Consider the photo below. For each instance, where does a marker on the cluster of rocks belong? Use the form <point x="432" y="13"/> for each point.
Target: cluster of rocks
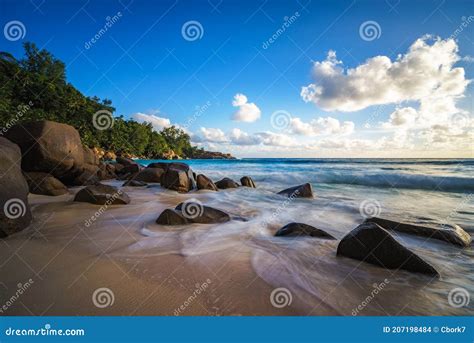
<point x="372" y="243"/>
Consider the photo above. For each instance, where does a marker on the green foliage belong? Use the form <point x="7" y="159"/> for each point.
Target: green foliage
<point x="35" y="88"/>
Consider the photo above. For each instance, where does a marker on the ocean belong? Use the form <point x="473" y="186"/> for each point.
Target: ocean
<point x="346" y="191"/>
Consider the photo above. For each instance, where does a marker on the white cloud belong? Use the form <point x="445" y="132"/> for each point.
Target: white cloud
<point x="403" y="116"/>
<point x="158" y="122"/>
<point x="213" y="135"/>
<point x="247" y="112"/>
<point x="320" y="126"/>
<point x="276" y="139"/>
<point x="425" y="72"/>
<point x="240" y="137"/>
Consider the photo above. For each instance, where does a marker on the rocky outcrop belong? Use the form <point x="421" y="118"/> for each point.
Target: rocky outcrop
<point x="371" y="243"/>
<point x="227" y="183"/>
<point x="169" y="155"/>
<point x="125" y="161"/>
<point x="450" y="233"/>
<point x="106" y="171"/>
<point x="102" y="195"/>
<point x="211" y="155"/>
<point x="44" y="184"/>
<point x="192" y="212"/>
<point x="161" y="165"/>
<point x="178" y="177"/>
<point x="301" y="191"/>
<point x="247" y="181"/>
<point x="203" y="182"/>
<point x="150" y="175"/>
<point x="300" y="229"/>
<point x="49" y="147"/>
<point x="86" y="178"/>
<point x="15" y="214"/>
<point x="126" y="168"/>
<point x="101" y="154"/>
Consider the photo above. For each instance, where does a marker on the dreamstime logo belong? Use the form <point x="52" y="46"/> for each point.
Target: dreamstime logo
<point x="465" y="23"/>
<point x="109" y="22"/>
<point x="200" y="288"/>
<point x="459" y="297"/>
<point x="280" y="120"/>
<point x="21" y="111"/>
<point x="287" y="22"/>
<point x="22" y="288"/>
<point x="103" y="208"/>
<point x="192" y="30"/>
<point x="103" y="297"/>
<point x="199" y="111"/>
<point x="281" y="297"/>
<point x="14" y="208"/>
<point x="14" y="30"/>
<point x="103" y="120"/>
<point x="370" y="30"/>
<point x="377" y="288"/>
<point x="370" y="208"/>
<point x="192" y="208"/>
<point x="460" y="120"/>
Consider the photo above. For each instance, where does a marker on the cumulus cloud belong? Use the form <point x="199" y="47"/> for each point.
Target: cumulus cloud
<point x="401" y="117"/>
<point x="240" y="137"/>
<point x="159" y="123"/>
<point x="213" y="135"/>
<point x="320" y="126"/>
<point x="247" y="112"/>
<point x="425" y="72"/>
<point x="276" y="139"/>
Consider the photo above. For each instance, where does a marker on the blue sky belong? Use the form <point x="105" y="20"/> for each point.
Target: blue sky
<point x="145" y="65"/>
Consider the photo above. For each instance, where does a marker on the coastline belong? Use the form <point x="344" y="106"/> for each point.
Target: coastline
<point x="154" y="270"/>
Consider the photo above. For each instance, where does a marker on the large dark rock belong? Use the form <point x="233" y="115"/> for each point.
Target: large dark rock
<point x="125" y="161"/>
<point x="450" y="233"/>
<point x="117" y="167"/>
<point x="196" y="212"/>
<point x="247" y="181"/>
<point x="86" y="178"/>
<point x="301" y="191"/>
<point x="101" y="195"/>
<point x="161" y="165"/>
<point x="15" y="214"/>
<point x="203" y="182"/>
<point x="371" y="243"/>
<point x="129" y="169"/>
<point x="192" y="212"/>
<point x="171" y="217"/>
<point x="178" y="177"/>
<point x="227" y="183"/>
<point x="106" y="171"/>
<point x="91" y="161"/>
<point x="149" y="175"/>
<point x="45" y="184"/>
<point x="90" y="157"/>
<point x="49" y="147"/>
<point x="300" y="229"/>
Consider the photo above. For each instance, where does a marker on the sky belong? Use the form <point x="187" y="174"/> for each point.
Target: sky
<point x="271" y="78"/>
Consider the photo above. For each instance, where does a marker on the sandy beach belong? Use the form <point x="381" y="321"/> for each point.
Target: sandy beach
<point x="73" y="249"/>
